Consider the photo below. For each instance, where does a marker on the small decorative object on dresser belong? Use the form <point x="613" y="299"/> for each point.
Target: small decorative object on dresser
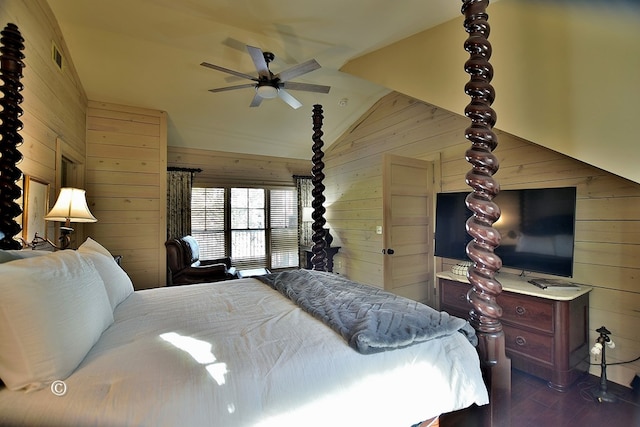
<point x="555" y="284"/>
<point x="546" y="329"/>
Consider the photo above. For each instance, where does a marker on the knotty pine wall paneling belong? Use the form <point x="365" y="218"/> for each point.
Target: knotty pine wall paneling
<point x="353" y="167"/>
<point x="607" y="244"/>
<point x="234" y="169"/>
<point x="54" y="103"/>
<point x="127" y="186"/>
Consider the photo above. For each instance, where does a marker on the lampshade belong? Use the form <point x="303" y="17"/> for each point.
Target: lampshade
<point x="71" y="206"/>
<point x="306" y="214"/>
<point x="267" y="91"/>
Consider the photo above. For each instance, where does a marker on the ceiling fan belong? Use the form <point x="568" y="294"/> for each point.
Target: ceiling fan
<point x="268" y="85"/>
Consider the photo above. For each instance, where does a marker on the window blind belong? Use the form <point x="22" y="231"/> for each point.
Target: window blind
<point x="207" y="221"/>
<point x="284" y="228"/>
<point x="237" y="222"/>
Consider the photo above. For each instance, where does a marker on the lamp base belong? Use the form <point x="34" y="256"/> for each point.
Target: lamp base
<point x="604" y="396"/>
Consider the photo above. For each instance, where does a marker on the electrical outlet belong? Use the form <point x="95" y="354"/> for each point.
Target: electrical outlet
<point x="378" y="229"/>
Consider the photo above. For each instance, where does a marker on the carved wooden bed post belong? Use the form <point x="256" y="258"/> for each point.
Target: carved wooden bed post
<point x="485" y="313"/>
<point x="11" y="66"/>
<point x="319" y="259"/>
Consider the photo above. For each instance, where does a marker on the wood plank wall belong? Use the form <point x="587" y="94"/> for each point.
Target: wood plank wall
<point x="54" y="102"/>
<point x="353" y="168"/>
<point x="127" y="187"/>
<point x="608" y="207"/>
<point x="221" y="168"/>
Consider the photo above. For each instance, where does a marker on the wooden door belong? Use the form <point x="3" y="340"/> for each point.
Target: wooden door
<point x="408" y="227"/>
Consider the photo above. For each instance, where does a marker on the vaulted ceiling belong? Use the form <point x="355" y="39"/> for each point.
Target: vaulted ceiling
<point x="566" y="70"/>
<point x="147" y="53"/>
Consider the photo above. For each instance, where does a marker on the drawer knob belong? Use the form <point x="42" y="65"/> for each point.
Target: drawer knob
<point x="462" y="297"/>
<point x="521" y="341"/>
<point x="520" y="310"/>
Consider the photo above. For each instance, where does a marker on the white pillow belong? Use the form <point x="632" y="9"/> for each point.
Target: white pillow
<point x="116" y="281"/>
<point x="14" y="254"/>
<point x="92" y="245"/>
<point x="53" y="309"/>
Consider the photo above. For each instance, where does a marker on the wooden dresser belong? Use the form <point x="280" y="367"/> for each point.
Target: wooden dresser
<point x="546" y="331"/>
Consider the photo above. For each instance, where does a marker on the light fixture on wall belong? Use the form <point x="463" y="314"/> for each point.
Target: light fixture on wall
<point x="71" y="206"/>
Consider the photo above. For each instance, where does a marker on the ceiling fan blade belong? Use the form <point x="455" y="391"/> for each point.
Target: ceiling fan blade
<point x="258" y="59"/>
<point x="298" y="70"/>
<point x="226" y="70"/>
<point x="286" y="97"/>
<point x="257" y="99"/>
<point x="223" y="89"/>
<point x="306" y="87"/>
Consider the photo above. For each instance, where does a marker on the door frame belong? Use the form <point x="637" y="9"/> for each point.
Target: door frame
<point x="434" y="170"/>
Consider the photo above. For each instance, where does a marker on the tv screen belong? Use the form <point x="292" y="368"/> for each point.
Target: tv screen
<point x="536" y="225"/>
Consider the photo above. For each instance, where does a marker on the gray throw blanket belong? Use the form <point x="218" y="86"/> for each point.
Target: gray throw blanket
<point x="369" y="319"/>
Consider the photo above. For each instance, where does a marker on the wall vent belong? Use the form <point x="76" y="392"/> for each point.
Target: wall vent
<point x="56" y="55"/>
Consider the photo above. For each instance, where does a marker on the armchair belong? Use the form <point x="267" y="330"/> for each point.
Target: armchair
<point x="185" y="267"/>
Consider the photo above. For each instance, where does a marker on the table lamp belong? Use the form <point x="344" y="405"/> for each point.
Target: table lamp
<point x="71" y="206"/>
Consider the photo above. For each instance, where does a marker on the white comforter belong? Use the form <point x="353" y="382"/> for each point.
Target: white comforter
<point x="237" y="353"/>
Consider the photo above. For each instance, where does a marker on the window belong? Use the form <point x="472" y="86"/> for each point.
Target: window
<point x="207" y="221"/>
<point x="284" y="228"/>
<point x="257" y="227"/>
<point x="248" y="233"/>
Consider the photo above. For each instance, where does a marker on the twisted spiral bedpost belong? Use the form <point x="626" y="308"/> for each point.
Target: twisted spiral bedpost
<point x="319" y="258"/>
<point x="485" y="313"/>
<point x="11" y="45"/>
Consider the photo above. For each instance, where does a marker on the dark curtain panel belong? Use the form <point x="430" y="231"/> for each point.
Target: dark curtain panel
<point x="179" y="183"/>
<point x="304" y="186"/>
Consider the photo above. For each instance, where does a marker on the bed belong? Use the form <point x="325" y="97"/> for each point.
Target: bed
<point x="235" y="353"/>
<point x="244" y="352"/>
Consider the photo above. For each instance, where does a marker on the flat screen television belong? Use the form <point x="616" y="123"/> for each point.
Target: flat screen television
<point x="537" y="228"/>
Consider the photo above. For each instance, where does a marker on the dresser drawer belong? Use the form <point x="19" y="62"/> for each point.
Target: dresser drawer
<point x="530" y="312"/>
<point x="454" y="294"/>
<point x="529" y="344"/>
<point x="545" y="337"/>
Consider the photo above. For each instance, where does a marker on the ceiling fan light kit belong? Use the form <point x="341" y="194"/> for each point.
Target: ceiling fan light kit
<point x="268" y="85"/>
<point x="267" y="91"/>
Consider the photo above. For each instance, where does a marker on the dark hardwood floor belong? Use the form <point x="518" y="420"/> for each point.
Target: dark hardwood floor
<point x="535" y="404"/>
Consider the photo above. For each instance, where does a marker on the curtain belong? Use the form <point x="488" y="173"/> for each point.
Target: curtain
<point x="304" y="187"/>
<point x="179" y="183"/>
